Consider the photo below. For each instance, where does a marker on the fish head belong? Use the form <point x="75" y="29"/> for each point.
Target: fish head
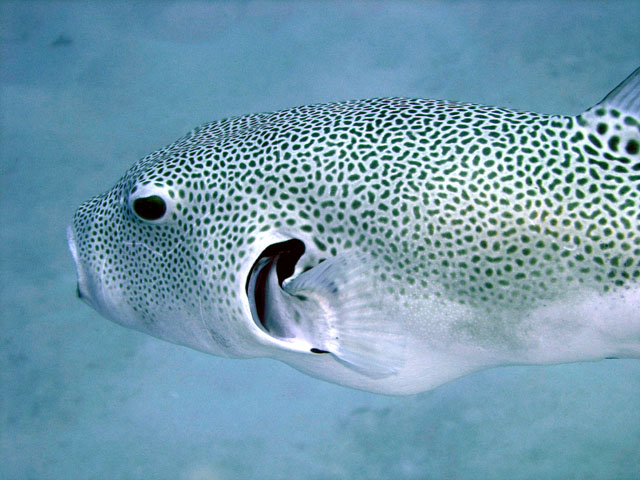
<point x="169" y="251"/>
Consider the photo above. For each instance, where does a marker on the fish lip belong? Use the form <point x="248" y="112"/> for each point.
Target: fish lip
<point x="73" y="248"/>
<point x="71" y="242"/>
<point x="81" y="285"/>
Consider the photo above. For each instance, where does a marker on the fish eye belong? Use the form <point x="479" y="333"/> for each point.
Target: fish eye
<point x="151" y="203"/>
<point x="150" y="208"/>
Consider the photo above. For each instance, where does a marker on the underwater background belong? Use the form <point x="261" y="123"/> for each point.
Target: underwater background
<point x="87" y="88"/>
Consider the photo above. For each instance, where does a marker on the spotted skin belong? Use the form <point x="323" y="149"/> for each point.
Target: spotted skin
<point x="492" y="209"/>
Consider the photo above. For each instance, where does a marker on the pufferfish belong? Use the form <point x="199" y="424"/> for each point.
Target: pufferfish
<point x="389" y="244"/>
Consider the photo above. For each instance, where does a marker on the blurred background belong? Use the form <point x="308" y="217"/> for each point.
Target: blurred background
<point x="87" y="88"/>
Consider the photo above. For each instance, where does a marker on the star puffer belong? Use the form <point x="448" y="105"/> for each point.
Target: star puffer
<point x="389" y="244"/>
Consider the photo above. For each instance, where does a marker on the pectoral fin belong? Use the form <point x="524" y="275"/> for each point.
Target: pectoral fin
<point x="352" y="323"/>
<point x="332" y="308"/>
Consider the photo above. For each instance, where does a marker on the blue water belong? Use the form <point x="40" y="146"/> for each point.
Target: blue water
<point x="89" y="87"/>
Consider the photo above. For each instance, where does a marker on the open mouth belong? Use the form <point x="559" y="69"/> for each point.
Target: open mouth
<point x="274" y="265"/>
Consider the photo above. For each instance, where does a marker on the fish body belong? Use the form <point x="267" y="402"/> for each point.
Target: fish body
<point x="389" y="245"/>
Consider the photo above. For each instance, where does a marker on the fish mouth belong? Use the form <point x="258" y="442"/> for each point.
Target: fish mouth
<point x="90" y="287"/>
<point x="73" y="248"/>
<point x="71" y="241"/>
<point x="87" y="285"/>
<point x="283" y="256"/>
<point x="82" y="290"/>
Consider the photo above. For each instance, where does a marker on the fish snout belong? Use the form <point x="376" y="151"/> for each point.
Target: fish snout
<point x="92" y="288"/>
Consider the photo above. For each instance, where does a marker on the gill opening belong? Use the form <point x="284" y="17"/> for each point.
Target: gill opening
<point x="285" y="255"/>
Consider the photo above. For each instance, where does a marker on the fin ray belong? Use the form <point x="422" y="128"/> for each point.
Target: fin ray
<point x="359" y="331"/>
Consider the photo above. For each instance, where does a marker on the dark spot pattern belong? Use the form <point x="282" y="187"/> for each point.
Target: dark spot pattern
<point x="494" y="207"/>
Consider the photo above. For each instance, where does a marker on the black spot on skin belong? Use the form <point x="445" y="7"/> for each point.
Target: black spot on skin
<point x="317" y="350"/>
<point x="632" y="147"/>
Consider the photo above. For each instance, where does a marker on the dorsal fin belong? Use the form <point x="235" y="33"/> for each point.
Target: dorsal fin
<point x="626" y="96"/>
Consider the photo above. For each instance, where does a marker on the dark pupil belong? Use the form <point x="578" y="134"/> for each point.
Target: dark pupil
<point x="150" y="208"/>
